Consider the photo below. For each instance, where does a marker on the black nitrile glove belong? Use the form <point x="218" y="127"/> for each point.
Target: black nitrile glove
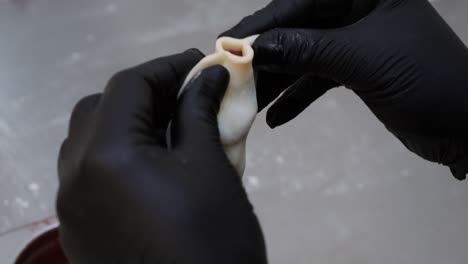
<point x="399" y="56"/>
<point x="126" y="197"/>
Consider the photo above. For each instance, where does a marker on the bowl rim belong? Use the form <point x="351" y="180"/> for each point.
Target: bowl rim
<point x="43" y="231"/>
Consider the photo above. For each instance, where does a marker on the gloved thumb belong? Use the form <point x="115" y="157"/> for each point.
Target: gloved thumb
<point x="195" y="125"/>
<point x="319" y="53"/>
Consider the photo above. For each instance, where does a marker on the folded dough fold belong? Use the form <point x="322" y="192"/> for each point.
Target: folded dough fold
<point x="239" y="105"/>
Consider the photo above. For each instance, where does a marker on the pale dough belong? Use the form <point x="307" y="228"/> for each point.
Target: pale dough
<point x="239" y="105"/>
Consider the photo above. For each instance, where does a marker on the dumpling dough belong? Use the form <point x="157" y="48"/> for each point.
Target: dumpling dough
<point x="239" y="105"/>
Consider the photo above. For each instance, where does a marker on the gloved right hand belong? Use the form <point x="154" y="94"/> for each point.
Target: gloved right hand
<point x="398" y="56"/>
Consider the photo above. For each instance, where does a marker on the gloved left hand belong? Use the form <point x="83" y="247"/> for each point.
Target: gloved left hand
<point x="128" y="195"/>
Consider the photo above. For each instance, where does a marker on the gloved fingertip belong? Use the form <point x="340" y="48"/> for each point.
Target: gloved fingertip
<point x="243" y="29"/>
<point x="234" y="33"/>
<point x="87" y="105"/>
<point x="272" y="118"/>
<point x="217" y="75"/>
<point x="227" y="33"/>
<point x="268" y="51"/>
<point x="281" y="112"/>
<point x="195" y="52"/>
<point x="458" y="174"/>
<point x="219" y="70"/>
<point x="211" y="83"/>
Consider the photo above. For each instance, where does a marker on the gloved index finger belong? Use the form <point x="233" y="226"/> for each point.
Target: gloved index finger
<point x="262" y="20"/>
<point x="139" y="102"/>
<point x="301" y="14"/>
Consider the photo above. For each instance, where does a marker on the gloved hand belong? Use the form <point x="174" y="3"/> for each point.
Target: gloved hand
<point x="129" y="195"/>
<point x="398" y="56"/>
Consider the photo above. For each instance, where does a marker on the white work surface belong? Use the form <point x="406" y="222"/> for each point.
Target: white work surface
<point x="332" y="187"/>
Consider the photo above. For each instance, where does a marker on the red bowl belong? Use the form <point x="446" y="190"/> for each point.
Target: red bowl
<point x="44" y="249"/>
